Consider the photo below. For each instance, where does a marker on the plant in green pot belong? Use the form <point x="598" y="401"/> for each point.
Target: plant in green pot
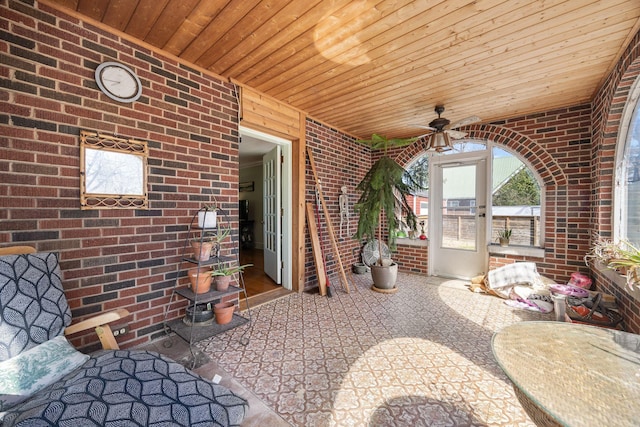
<point x="385" y="188"/>
<point x="222" y="276"/>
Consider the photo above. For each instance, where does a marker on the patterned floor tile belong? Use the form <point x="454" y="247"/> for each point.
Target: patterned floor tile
<point x="419" y="357"/>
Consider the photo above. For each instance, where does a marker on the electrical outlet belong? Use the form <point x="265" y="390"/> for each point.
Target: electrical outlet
<point x="120" y="329"/>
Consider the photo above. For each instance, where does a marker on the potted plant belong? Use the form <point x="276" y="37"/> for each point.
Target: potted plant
<point x="504" y="236"/>
<point x="209" y="243"/>
<point x="384" y="188"/>
<point x="217" y="238"/>
<point x="202" y="247"/>
<point x="222" y="276"/>
<point x="207" y="216"/>
<point x="627" y="260"/>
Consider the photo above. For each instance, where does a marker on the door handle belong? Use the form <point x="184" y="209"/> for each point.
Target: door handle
<point x="482" y="215"/>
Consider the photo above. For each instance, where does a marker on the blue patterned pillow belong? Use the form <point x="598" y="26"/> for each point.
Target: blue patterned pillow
<point x="27" y="373"/>
<point x="33" y="307"/>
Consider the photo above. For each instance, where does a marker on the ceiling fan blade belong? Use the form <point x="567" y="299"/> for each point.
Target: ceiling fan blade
<point x="456" y="134"/>
<point x="467" y="121"/>
<point x="423" y="127"/>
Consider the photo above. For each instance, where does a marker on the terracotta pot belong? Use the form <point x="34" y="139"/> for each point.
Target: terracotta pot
<point x="222" y="283"/>
<point x="201" y="250"/>
<point x="200" y="279"/>
<point x="224" y="312"/>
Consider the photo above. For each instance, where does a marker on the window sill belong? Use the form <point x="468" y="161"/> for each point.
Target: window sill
<point x="617" y="279"/>
<point x="527" y="251"/>
<point x="411" y="242"/>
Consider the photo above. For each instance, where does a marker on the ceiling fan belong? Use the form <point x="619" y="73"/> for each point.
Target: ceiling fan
<point x="443" y="131"/>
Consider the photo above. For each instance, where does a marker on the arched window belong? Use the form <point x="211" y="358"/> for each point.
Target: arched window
<point x="515" y="199"/>
<point x="627" y="211"/>
<point x="515" y="196"/>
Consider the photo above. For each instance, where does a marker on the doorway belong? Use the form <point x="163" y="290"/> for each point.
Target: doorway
<point x="458" y="220"/>
<point x="265" y="211"/>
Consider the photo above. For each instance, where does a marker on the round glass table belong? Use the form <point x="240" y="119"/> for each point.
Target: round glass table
<point x="570" y="374"/>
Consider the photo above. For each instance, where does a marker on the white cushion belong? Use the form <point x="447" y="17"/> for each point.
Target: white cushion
<point x="25" y="374"/>
<point x="503" y="279"/>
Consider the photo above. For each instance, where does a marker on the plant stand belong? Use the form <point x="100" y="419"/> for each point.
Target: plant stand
<point x="191" y="330"/>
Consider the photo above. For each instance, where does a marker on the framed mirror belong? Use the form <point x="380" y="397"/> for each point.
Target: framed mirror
<point x="113" y="172"/>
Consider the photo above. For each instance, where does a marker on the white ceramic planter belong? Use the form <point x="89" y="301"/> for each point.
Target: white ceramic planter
<point x="207" y="219"/>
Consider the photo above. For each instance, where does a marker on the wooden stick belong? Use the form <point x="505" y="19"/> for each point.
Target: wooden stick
<point x="332" y="235"/>
<point x="317" y="250"/>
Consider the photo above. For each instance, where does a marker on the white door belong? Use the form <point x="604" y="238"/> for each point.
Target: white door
<point x="458" y="236"/>
<point x="272" y="215"/>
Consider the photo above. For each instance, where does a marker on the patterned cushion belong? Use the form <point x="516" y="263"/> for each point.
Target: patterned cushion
<point x="33" y="308"/>
<point x="31" y="371"/>
<point x="120" y="388"/>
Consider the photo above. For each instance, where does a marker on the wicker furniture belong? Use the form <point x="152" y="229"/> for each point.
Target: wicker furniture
<point x="572" y="375"/>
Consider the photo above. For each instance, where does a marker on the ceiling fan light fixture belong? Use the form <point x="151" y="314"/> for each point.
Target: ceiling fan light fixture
<point x="440" y="142"/>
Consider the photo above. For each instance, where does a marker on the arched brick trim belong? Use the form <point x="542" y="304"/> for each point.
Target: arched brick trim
<point x="608" y="106"/>
<point x="606" y="117"/>
<point x="539" y="159"/>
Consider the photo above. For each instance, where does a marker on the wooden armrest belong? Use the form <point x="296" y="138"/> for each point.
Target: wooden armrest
<point x="17" y="250"/>
<point x="103" y="330"/>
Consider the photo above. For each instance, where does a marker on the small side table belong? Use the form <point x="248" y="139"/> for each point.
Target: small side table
<point x="574" y="375"/>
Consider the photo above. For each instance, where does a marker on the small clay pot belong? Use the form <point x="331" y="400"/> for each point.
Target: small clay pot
<point x="224" y="312"/>
<point x="200" y="279"/>
<point x="201" y="250"/>
<point x="222" y="283"/>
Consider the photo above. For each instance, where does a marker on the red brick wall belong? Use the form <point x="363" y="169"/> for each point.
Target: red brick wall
<point x="608" y="105"/>
<point x="339" y="161"/>
<point x="412" y="259"/>
<point x="109" y="258"/>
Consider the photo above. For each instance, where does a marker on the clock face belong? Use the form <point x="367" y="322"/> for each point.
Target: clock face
<point x="118" y="82"/>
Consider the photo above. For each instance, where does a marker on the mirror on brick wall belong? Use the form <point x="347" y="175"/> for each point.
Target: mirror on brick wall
<point x="113" y="172"/>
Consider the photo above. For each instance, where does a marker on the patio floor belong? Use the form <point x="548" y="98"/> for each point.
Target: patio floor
<point x="419" y="357"/>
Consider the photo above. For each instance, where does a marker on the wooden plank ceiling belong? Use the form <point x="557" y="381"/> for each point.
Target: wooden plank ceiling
<point x="382" y="65"/>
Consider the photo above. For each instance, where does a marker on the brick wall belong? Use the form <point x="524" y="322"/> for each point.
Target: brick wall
<point x="412" y="258"/>
<point x="109" y="258"/>
<point x="608" y="105"/>
<point x="339" y="161"/>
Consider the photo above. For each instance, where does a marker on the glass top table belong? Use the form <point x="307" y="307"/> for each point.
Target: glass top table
<point x="578" y="375"/>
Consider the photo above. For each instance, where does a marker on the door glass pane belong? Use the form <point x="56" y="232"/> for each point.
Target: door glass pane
<point x="459" y="226"/>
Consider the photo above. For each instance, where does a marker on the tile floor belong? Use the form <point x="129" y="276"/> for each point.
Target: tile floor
<point x="419" y="357"/>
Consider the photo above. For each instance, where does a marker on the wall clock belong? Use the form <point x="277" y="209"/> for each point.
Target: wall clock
<point x="118" y="82"/>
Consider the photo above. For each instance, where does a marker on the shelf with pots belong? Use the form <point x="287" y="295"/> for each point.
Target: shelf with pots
<point x="211" y="306"/>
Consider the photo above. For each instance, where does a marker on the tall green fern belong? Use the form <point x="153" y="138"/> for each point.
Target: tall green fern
<point x="385" y="188"/>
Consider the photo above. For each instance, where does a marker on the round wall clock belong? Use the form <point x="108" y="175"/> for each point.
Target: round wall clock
<point x="118" y="81"/>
